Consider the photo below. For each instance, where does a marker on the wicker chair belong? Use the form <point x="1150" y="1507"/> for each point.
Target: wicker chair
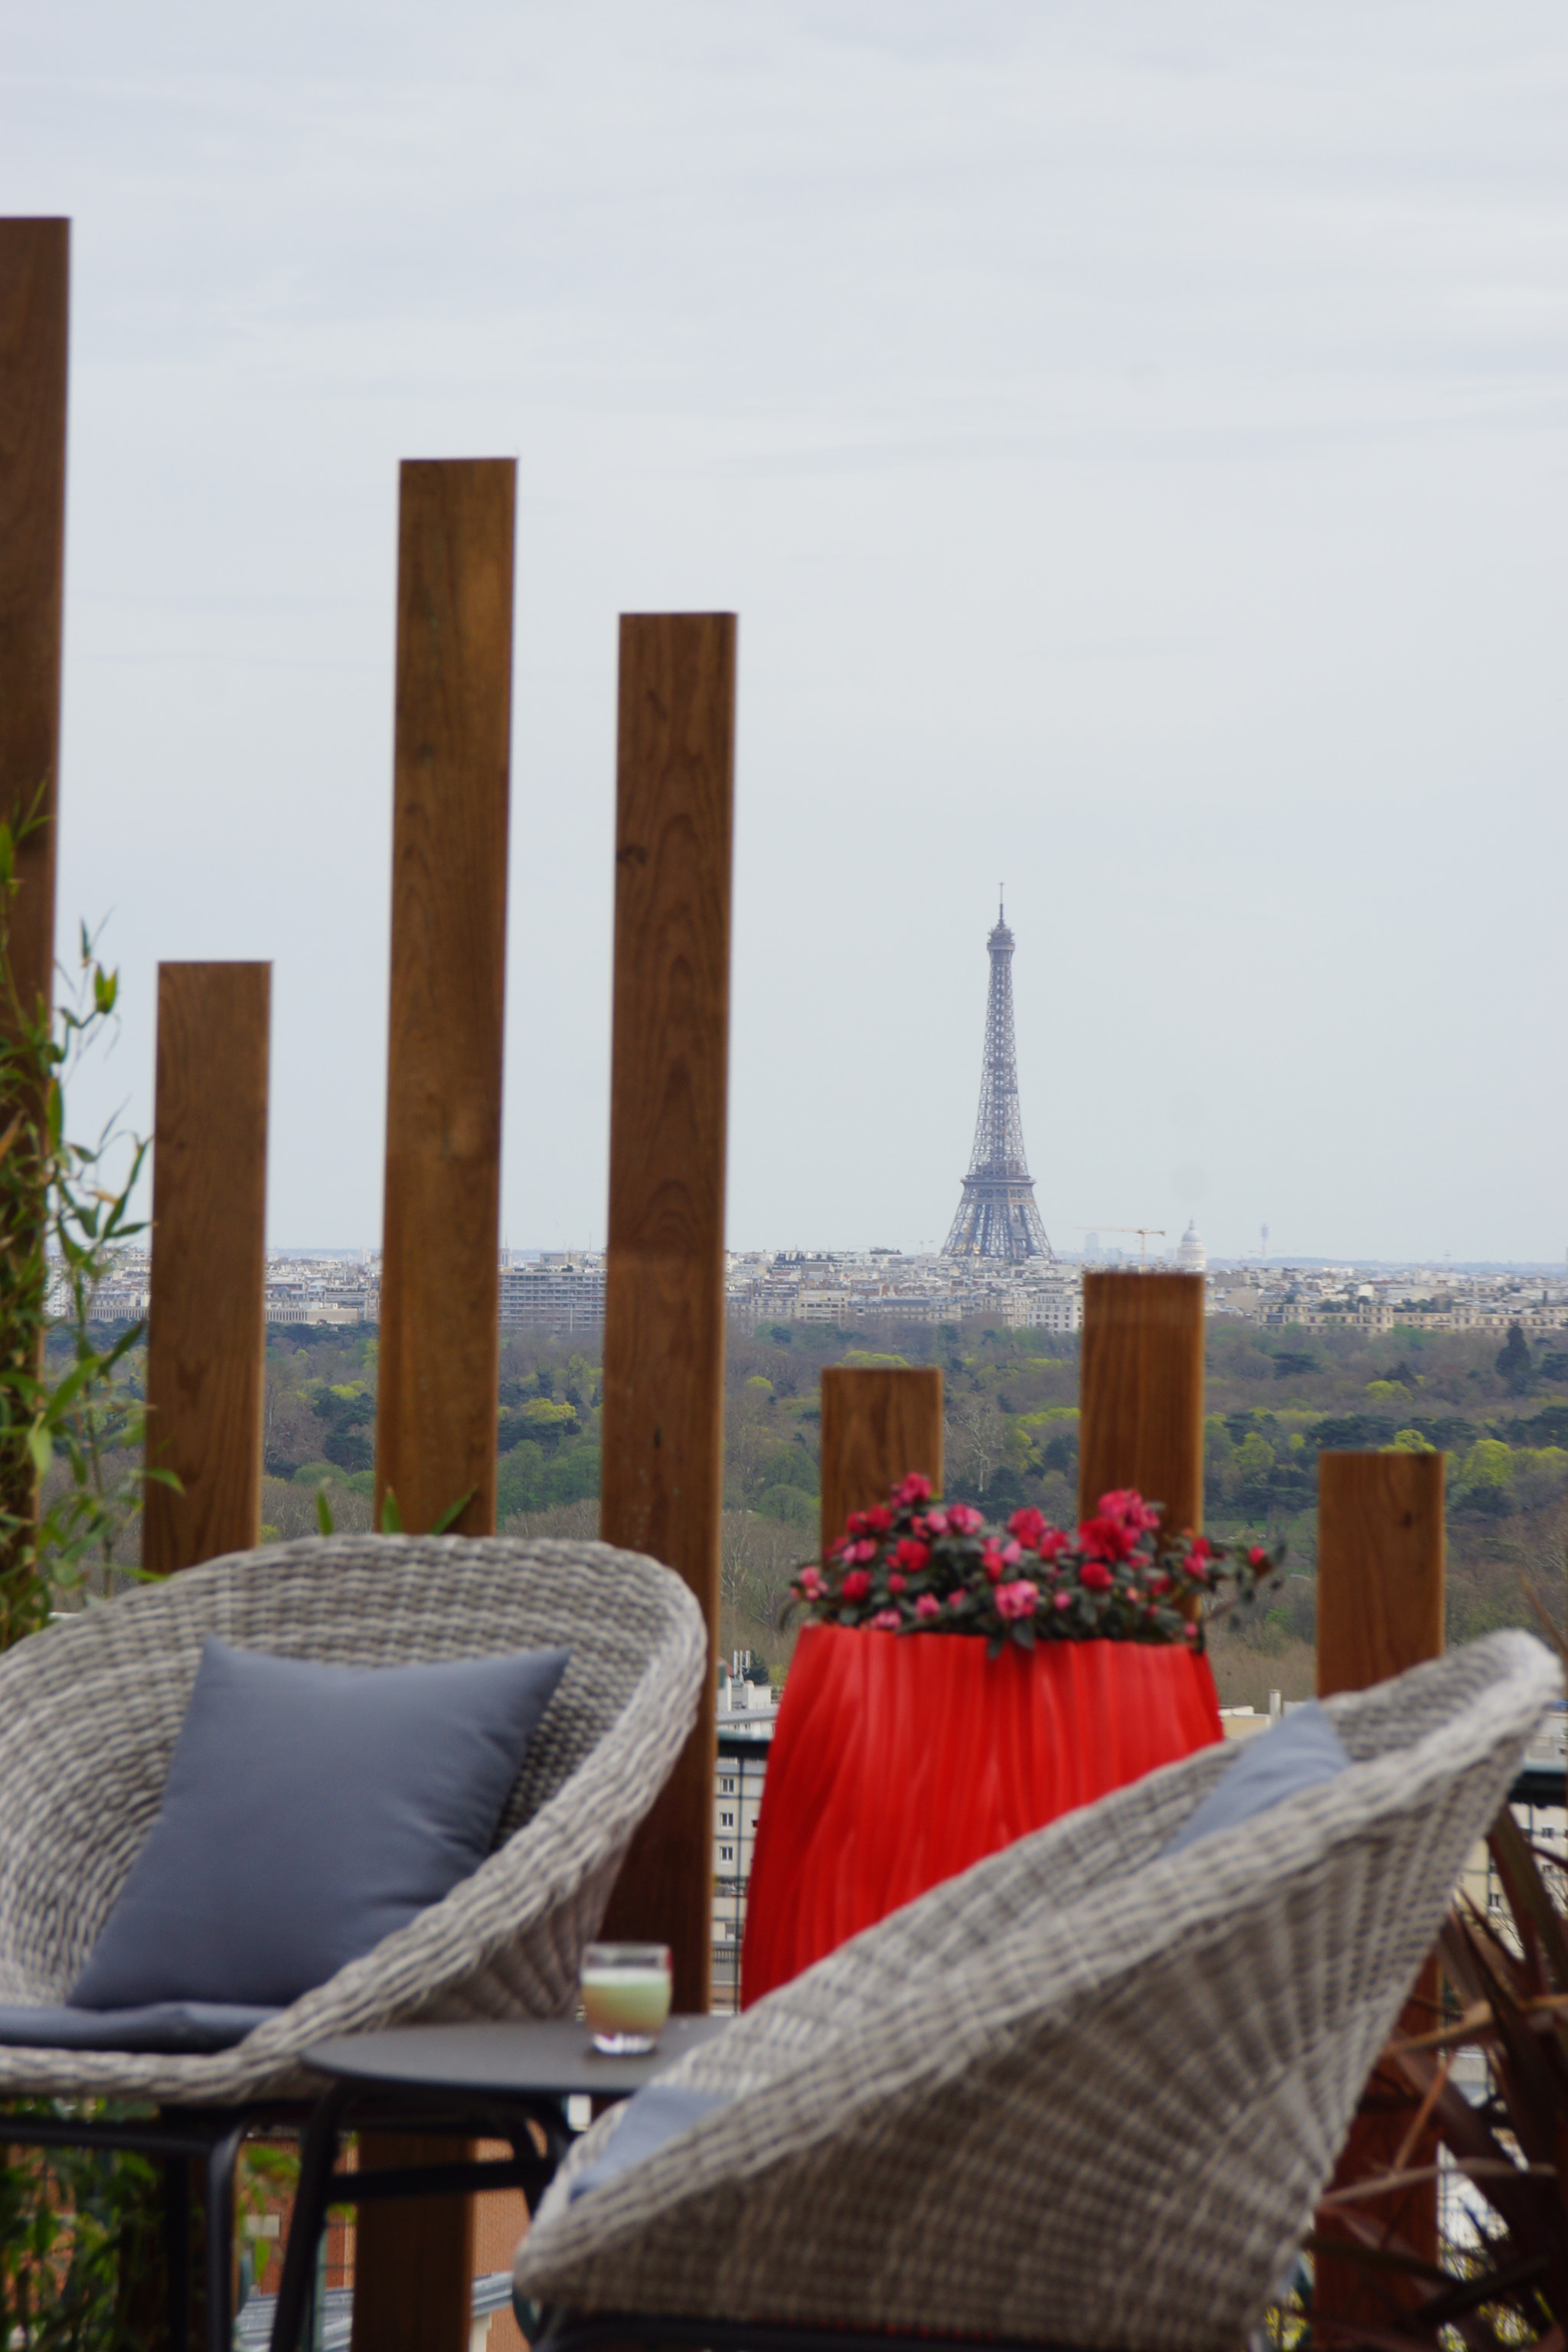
<point x="1083" y="2094"/>
<point x="90" y="1709"/>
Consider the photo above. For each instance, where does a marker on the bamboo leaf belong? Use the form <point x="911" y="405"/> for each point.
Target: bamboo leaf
<point x="449" y="1517"/>
<point x="324" y="1512"/>
<point x="391" y="1517"/>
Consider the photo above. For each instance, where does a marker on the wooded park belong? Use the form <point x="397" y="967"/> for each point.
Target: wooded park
<point x="1276" y="1397"/>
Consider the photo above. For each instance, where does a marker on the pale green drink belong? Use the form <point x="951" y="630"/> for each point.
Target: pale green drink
<point x="625" y="1996"/>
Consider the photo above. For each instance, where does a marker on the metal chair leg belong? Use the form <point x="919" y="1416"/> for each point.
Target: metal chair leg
<point x="177" y="2249"/>
<point x="318" y="2161"/>
<point x="222" y="2157"/>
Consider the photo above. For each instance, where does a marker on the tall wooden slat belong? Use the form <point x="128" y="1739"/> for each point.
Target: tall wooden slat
<point x="1141" y="1391"/>
<point x="35" y="277"/>
<point x="206" y="1335"/>
<point x="1380" y="1567"/>
<point x="436" y="1416"/>
<point x="35" y="271"/>
<point x="662" y="1479"/>
<point x="878" y="1423"/>
<point x="1380" y="1611"/>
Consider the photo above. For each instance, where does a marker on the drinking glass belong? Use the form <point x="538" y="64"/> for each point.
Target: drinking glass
<point x="625" y="1996"/>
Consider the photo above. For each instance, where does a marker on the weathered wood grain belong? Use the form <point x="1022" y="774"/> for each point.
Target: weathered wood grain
<point x="35" y="282"/>
<point x="436" y="1413"/>
<point x="1141" y="1392"/>
<point x="436" y="1425"/>
<point x="878" y="1423"/>
<point x="1380" y="1611"/>
<point x="35" y="268"/>
<point x="1379" y="1566"/>
<point x="661" y="1484"/>
<point x="206" y="1335"/>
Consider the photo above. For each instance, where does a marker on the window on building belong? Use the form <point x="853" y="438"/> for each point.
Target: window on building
<point x="726" y="1854"/>
<point x="726" y="1821"/>
<point x="727" y="1787"/>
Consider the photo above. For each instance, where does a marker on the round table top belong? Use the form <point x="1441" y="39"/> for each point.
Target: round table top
<point x="548" y="2059"/>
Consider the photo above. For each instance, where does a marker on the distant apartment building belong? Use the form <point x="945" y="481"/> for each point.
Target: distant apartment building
<point x="747" y="1714"/>
<point x="879" y="1287"/>
<point x="562" y="1292"/>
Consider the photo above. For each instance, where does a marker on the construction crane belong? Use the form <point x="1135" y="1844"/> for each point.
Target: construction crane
<point x="1146" y="1235"/>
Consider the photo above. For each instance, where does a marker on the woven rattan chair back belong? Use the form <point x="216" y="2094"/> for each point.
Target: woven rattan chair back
<point x="1086" y="2093"/>
<point x="90" y="1712"/>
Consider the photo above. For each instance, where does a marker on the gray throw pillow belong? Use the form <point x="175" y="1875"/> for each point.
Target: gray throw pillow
<point x="659" y="2112"/>
<point x="311" y="1810"/>
<point x="1300" y="1753"/>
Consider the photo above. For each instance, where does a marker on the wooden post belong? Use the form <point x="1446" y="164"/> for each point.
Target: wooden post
<point x="1380" y="1611"/>
<point x="35" y="277"/>
<point x="877" y="1425"/>
<point x="1141" y="1392"/>
<point x="661" y="1485"/>
<point x="436" y="1413"/>
<point x="35" y="273"/>
<point x="206" y="1332"/>
<point x="1380" y="1567"/>
<point x="436" y="1409"/>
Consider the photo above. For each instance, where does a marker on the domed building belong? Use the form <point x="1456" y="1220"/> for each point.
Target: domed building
<point x="1190" y="1255"/>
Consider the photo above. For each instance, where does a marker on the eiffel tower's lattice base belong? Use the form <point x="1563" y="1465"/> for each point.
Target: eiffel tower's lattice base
<point x="997" y="1218"/>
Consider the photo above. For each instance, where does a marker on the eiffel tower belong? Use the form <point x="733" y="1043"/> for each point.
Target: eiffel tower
<point x="996" y="1215"/>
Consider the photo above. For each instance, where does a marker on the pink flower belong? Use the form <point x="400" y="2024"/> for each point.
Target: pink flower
<point x="909" y="1555"/>
<point x="915" y="1488"/>
<point x="1257" y="1559"/>
<point x="1028" y="1525"/>
<point x="991" y="1560"/>
<point x="878" y="1519"/>
<point x="1020" y="1600"/>
<point x="1126" y="1505"/>
<point x="928" y="1605"/>
<point x="956" y="1600"/>
<point x="1189" y="1631"/>
<point x="936" y="1522"/>
<point x="963" y="1520"/>
<point x="857" y="1584"/>
<point x="838" y="1547"/>
<point x="1106" y="1539"/>
<point x="864" y="1550"/>
<point x="1160" y="1583"/>
<point x="1064" y="1600"/>
<point x="886" y="1620"/>
<point x="1054" y="1541"/>
<point x="1012" y="1553"/>
<point x="896" y="1582"/>
<point x="813" y="1583"/>
<point x="1094" y="1573"/>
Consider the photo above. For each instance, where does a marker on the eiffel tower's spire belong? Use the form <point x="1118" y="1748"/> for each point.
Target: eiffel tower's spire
<point x="996" y="1215"/>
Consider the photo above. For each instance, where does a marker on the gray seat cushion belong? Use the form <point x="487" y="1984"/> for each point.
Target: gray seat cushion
<point x="1300" y="1753"/>
<point x="310" y="1811"/>
<point x="174" y="2025"/>
<point x="657" y="2113"/>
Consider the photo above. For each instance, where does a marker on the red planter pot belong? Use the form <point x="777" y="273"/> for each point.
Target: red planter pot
<point x="900" y="1759"/>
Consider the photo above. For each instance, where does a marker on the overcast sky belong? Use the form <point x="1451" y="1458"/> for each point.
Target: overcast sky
<point x="1131" y="435"/>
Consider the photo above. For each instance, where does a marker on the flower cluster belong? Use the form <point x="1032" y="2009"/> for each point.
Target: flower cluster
<point x="914" y="1566"/>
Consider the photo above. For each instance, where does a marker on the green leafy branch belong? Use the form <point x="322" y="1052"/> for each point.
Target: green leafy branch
<point x="64" y="1218"/>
